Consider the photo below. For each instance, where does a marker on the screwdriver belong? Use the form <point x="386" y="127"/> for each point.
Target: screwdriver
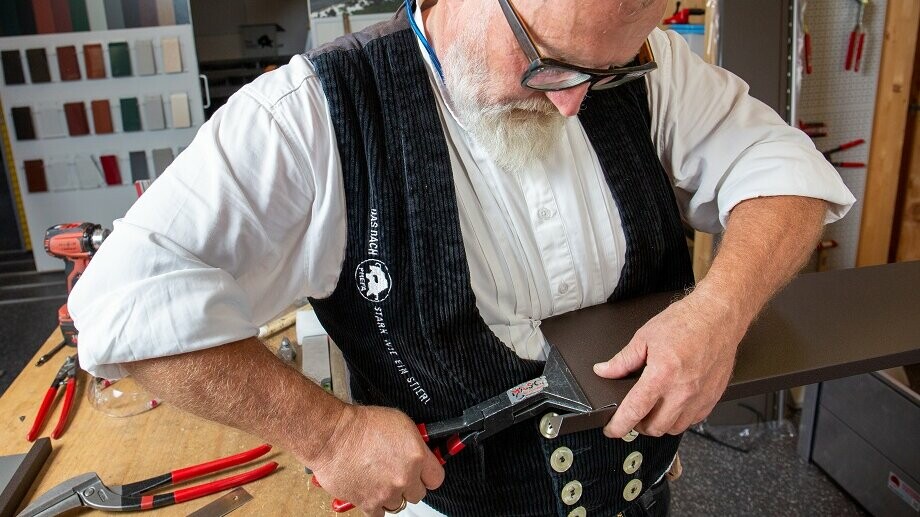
<point x="47" y="357"/>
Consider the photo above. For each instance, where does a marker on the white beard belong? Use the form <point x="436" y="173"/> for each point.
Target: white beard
<point x="514" y="134"/>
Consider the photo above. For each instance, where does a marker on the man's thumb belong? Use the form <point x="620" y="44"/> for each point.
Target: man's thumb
<point x="628" y="360"/>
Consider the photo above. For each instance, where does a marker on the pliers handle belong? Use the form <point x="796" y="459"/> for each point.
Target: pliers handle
<point x="456" y="442"/>
<point x="857" y="39"/>
<point x="65" y="376"/>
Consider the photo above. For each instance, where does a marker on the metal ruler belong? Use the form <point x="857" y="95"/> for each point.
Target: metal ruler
<point x="14" y="179"/>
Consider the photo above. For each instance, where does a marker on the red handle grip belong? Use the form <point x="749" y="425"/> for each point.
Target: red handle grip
<point x="854" y="143"/>
<point x="859" y="49"/>
<point x="849" y="165"/>
<point x="808" y="53"/>
<point x="65" y="409"/>
<point x="850" y="48"/>
<point x="219" y="464"/>
<point x="42" y="411"/>
<point x="187" y="494"/>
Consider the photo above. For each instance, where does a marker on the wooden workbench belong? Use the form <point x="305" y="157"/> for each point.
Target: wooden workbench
<point x="123" y="450"/>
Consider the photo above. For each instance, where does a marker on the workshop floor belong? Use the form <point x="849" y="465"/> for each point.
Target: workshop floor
<point x="771" y="479"/>
<point x="768" y="480"/>
<point x="29" y="303"/>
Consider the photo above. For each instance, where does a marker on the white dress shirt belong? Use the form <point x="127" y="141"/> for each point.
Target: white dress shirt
<point x="251" y="216"/>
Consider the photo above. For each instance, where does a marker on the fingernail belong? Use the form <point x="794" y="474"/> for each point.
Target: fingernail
<point x="598" y="367"/>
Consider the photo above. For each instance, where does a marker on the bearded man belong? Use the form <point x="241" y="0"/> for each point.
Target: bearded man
<point x="485" y="164"/>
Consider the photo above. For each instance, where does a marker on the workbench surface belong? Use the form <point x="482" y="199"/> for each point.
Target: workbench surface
<point x="122" y="450"/>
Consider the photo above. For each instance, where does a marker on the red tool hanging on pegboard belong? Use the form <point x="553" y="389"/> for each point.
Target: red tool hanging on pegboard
<point x="857" y="38"/>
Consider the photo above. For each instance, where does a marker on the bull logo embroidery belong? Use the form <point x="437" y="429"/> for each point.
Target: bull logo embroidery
<point x="373" y="280"/>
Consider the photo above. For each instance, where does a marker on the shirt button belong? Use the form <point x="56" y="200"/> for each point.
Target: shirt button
<point x="571" y="492"/>
<point x="633" y="462"/>
<point x="578" y="512"/>
<point x="630" y="436"/>
<point x="632" y="490"/>
<point x="563" y="288"/>
<point x="561" y="459"/>
<point x="544" y="214"/>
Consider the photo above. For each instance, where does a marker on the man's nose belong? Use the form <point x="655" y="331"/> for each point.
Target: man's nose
<point x="568" y="102"/>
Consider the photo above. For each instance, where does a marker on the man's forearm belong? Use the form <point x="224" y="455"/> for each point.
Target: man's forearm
<point x="766" y="242"/>
<point x="243" y="385"/>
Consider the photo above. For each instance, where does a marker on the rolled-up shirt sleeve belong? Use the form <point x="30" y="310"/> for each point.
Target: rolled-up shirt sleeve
<point x="214" y="248"/>
<point x="721" y="146"/>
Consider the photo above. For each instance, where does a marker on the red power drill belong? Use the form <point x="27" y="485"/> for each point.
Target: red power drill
<point x="75" y="243"/>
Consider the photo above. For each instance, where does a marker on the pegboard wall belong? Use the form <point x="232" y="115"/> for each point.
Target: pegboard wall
<point x="844" y="101"/>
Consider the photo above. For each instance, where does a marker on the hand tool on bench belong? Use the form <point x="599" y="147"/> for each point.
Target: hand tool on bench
<point x="822" y="326"/>
<point x="88" y="490"/>
<point x="47" y="356"/>
<point x="67" y="377"/>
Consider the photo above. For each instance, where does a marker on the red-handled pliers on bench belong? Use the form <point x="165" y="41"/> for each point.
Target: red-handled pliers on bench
<point x="89" y="491"/>
<point x="67" y="377"/>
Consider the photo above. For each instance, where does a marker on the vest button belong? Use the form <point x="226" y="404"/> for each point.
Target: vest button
<point x="563" y="288"/>
<point x="632" y="490"/>
<point x="578" y="512"/>
<point x="571" y="492"/>
<point x="544" y="214"/>
<point x="561" y="460"/>
<point x="633" y="462"/>
<point x="630" y="436"/>
<point x="547" y="429"/>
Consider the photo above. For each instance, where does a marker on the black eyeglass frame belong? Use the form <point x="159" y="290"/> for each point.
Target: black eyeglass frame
<point x="539" y="63"/>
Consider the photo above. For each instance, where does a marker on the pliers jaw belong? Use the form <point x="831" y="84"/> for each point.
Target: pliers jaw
<point x="65" y="496"/>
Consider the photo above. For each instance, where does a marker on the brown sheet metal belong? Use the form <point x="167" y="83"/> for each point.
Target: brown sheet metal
<point x="822" y="326"/>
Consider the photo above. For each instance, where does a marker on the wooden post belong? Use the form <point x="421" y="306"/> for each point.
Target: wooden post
<point x="891" y="106"/>
<point x="908" y="236"/>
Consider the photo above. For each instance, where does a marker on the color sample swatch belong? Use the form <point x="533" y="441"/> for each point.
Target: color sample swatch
<point x="102" y="117"/>
<point x="110" y="169"/>
<point x="154" y="117"/>
<point x="130" y="115"/>
<point x="139" y="170"/>
<point x="172" y="55"/>
<point x="38" y="65"/>
<point x="60" y="10"/>
<point x="96" y="11"/>
<point x="68" y="64"/>
<point x="114" y="17"/>
<point x="44" y="16"/>
<point x="61" y="177"/>
<point x="51" y="123"/>
<point x="23" y="125"/>
<point x="12" y="67"/>
<point x="143" y="53"/>
<point x="88" y="173"/>
<point x="120" y="58"/>
<point x="166" y="13"/>
<point x="181" y="117"/>
<point x="79" y="16"/>
<point x="35" y="176"/>
<point x="95" y="61"/>
<point x="161" y="160"/>
<point x="77" y="123"/>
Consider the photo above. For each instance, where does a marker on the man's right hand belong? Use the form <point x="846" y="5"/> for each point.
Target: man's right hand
<point x="376" y="458"/>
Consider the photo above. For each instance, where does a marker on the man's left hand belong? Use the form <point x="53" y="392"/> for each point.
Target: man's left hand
<point x="688" y="351"/>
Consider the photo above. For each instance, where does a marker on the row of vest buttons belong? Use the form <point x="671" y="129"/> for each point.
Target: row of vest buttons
<point x="561" y="461"/>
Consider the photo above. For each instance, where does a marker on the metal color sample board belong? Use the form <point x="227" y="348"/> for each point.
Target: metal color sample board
<point x="822" y="326"/>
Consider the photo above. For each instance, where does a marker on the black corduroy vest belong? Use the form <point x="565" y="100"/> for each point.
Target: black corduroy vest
<point x="404" y="313"/>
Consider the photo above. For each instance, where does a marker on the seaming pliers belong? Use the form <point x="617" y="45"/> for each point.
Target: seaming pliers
<point x="556" y="389"/>
<point x="66" y="376"/>
<point x="88" y="490"/>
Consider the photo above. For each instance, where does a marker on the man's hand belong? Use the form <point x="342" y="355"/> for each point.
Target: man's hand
<point x="689" y="349"/>
<point x="688" y="352"/>
<point x="375" y="459"/>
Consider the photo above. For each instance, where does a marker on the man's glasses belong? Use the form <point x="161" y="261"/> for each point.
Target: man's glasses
<point x="549" y="75"/>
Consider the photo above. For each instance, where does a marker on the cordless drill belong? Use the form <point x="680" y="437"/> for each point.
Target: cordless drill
<point x="75" y="243"/>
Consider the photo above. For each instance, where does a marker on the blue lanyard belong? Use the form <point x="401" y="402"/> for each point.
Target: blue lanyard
<point x="410" y="13"/>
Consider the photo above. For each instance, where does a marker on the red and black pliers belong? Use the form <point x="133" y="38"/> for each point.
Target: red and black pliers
<point x="453" y="433"/>
<point x="89" y="491"/>
<point x="66" y="376"/>
<point x="857" y="39"/>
